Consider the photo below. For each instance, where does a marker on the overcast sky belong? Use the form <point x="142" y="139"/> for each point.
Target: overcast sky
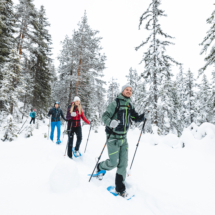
<point x="118" y="20"/>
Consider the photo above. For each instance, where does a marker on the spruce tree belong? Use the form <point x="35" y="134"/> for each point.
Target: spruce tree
<point x="113" y="90"/>
<point x="26" y="23"/>
<point x="190" y="97"/>
<point x="64" y="89"/>
<point x="168" y="107"/>
<point x="7" y="22"/>
<point x="133" y="79"/>
<point x="211" y="100"/>
<point x="90" y="62"/>
<point x="11" y="86"/>
<point x="81" y="69"/>
<point x="42" y="75"/>
<point x="203" y="101"/>
<point x="207" y="43"/>
<point x="157" y="63"/>
<point x="180" y="86"/>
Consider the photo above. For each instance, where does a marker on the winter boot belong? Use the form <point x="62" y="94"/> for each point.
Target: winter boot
<point x="58" y="142"/>
<point x="100" y="173"/>
<point x="77" y="153"/>
<point x="123" y="194"/>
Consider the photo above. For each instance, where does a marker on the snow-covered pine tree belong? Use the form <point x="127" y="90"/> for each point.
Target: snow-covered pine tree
<point x="26" y="96"/>
<point x="40" y="59"/>
<point x="211" y="100"/>
<point x="190" y="106"/>
<point x="12" y="83"/>
<point x="64" y="89"/>
<point x="113" y="90"/>
<point x="7" y="22"/>
<point x="169" y="108"/>
<point x="26" y="22"/>
<point x="180" y="86"/>
<point x="91" y="63"/>
<point x="157" y="62"/>
<point x="203" y="101"/>
<point x="207" y="43"/>
<point x="81" y="69"/>
<point x="10" y="129"/>
<point x="100" y="99"/>
<point x="54" y="80"/>
<point x="133" y="79"/>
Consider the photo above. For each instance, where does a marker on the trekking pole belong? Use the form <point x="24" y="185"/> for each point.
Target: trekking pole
<point x="49" y="127"/>
<point x="68" y="140"/>
<point x="64" y="129"/>
<point x="88" y="138"/>
<point x="22" y="126"/>
<point x="100" y="156"/>
<point x="23" y="129"/>
<point x="138" y="141"/>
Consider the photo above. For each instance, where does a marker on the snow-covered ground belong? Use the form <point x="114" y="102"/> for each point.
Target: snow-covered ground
<point x="36" y="178"/>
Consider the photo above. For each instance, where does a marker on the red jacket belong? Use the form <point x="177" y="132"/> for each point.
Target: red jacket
<point x="75" y="121"/>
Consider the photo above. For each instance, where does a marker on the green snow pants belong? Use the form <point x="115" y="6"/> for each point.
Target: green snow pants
<point x="118" y="157"/>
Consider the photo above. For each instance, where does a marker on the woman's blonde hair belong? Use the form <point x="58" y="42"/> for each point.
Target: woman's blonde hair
<point x="79" y="108"/>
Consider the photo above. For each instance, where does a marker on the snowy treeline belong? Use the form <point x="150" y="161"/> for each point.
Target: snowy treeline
<point x="175" y="100"/>
<point x="26" y="69"/>
<point x="28" y="78"/>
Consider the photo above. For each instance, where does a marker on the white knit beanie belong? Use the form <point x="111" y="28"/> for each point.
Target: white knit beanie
<point x="77" y="99"/>
<point x="125" y="86"/>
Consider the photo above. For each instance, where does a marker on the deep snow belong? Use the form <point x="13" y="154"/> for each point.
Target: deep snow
<point x="36" y="178"/>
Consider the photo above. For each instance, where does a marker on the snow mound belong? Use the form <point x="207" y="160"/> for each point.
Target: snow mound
<point x="204" y="130"/>
<point x="172" y="140"/>
<point x="65" y="177"/>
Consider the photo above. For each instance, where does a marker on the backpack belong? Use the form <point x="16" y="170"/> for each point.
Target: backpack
<point x="107" y="129"/>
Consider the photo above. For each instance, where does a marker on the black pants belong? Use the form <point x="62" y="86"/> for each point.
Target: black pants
<point x="32" y="119"/>
<point x="78" y="132"/>
<point x="120" y="186"/>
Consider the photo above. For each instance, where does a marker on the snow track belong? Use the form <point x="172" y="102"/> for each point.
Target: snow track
<point x="36" y="179"/>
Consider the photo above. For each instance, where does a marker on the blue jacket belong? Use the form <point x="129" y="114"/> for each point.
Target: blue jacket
<point x="32" y="114"/>
<point x="56" y="114"/>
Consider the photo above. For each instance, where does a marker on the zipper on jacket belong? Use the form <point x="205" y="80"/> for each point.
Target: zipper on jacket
<point x="128" y="119"/>
<point x="123" y="119"/>
<point x="126" y="116"/>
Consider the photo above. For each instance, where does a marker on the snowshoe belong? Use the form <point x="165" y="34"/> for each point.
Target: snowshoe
<point x="76" y="153"/>
<point x="123" y="194"/>
<point x="99" y="175"/>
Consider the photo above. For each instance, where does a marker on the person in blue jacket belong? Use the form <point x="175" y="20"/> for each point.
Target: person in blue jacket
<point x="32" y="115"/>
<point x="55" y="114"/>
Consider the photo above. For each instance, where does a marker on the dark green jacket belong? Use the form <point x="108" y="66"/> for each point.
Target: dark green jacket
<point x="125" y="114"/>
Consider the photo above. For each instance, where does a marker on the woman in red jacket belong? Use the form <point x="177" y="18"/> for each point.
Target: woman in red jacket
<point x="74" y="115"/>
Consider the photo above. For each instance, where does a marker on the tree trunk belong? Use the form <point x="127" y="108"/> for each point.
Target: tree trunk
<point x="70" y="90"/>
<point x="155" y="71"/>
<point x="77" y="83"/>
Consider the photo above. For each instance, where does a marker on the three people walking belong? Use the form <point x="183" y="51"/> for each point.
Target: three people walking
<point x="117" y="119"/>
